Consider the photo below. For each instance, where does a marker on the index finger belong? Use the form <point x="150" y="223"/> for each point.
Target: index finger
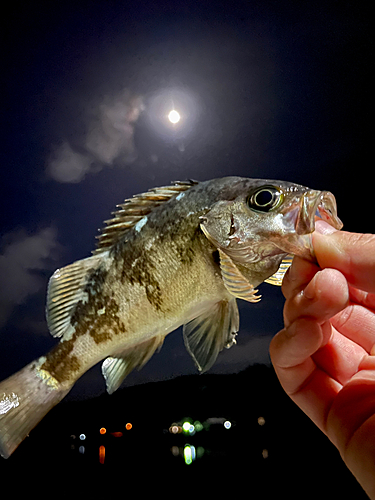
<point x="351" y="253"/>
<point x="300" y="273"/>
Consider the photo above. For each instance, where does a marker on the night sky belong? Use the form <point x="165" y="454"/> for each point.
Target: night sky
<point x="271" y="89"/>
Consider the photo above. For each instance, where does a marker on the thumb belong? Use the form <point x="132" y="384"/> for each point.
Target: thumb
<point x="353" y="254"/>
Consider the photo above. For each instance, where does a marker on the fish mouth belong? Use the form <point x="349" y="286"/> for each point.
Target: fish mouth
<point x="300" y="222"/>
<point x="313" y="206"/>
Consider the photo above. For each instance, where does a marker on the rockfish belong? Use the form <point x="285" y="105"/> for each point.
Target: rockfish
<point x="176" y="255"/>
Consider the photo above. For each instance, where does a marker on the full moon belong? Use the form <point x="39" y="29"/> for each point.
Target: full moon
<point x="174" y="116"/>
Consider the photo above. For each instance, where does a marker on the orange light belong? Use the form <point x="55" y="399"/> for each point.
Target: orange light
<point x="103" y="430"/>
<point x="128" y="426"/>
<point x="101" y="454"/>
<point x="117" y="434"/>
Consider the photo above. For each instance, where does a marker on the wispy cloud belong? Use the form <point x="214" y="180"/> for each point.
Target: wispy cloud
<point x="23" y="260"/>
<point x="67" y="165"/>
<point x="108" y="136"/>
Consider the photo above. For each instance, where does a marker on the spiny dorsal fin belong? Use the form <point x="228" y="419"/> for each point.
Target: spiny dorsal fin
<point x="134" y="209"/>
<point x="277" y="278"/>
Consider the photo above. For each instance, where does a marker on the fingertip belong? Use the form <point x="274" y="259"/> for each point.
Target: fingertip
<point x="331" y="287"/>
<point x="322" y="227"/>
<point x="350" y="253"/>
<point x="324" y="296"/>
<point x="294" y="344"/>
<point x="327" y="248"/>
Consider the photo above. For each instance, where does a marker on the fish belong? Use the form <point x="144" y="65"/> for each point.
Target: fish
<point x="177" y="255"/>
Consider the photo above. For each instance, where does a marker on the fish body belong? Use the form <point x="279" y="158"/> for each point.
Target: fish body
<point x="176" y="255"/>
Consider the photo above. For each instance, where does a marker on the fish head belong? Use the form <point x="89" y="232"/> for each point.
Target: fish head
<point x="269" y="218"/>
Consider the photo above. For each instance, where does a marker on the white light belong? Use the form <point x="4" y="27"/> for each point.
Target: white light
<point x="82" y="437"/>
<point x="227" y="424"/>
<point x="186" y="426"/>
<point x="174" y="116"/>
<point x="189" y="454"/>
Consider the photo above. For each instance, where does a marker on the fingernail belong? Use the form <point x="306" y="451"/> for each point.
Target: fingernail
<point x="323" y="227"/>
<point x="310" y="291"/>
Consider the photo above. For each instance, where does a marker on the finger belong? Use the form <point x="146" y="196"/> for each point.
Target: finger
<point x="325" y="295"/>
<point x="351" y="409"/>
<point x="293" y="345"/>
<point x="350" y="253"/>
<point x="298" y="275"/>
<point x="358" y="324"/>
<point x="365" y="299"/>
<point x="340" y="357"/>
<point x="309" y="387"/>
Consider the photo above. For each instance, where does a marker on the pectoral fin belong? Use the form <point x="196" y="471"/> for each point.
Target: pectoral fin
<point x="235" y="282"/>
<point x="206" y="335"/>
<point x="115" y="369"/>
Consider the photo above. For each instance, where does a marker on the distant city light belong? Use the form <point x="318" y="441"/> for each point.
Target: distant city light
<point x="82" y="437"/>
<point x="265" y="453"/>
<point x="81" y="449"/>
<point x="189" y="454"/>
<point x="175" y="429"/>
<point x="175" y="451"/>
<point x="128" y="426"/>
<point x="261" y="420"/>
<point x="102" y="430"/>
<point x="186" y="426"/>
<point x="117" y="434"/>
<point x="227" y="424"/>
<point x="101" y="454"/>
<point x="198" y="426"/>
<point x="174" y="116"/>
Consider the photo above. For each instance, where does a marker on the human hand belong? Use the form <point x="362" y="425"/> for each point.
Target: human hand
<point x="325" y="355"/>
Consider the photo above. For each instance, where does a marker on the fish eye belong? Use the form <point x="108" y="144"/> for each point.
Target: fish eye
<point x="265" y="199"/>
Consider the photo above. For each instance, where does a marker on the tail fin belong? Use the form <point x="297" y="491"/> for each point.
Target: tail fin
<point x="25" y="399"/>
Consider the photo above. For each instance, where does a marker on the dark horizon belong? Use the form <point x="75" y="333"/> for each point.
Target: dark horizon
<point x="270" y="439"/>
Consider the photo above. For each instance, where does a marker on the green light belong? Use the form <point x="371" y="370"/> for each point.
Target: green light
<point x="198" y="426"/>
<point x="189" y="454"/>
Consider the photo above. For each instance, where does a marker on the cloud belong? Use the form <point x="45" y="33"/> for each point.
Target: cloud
<point x="23" y="260"/>
<point x="108" y="136"/>
<point x="111" y="131"/>
<point x="66" y="165"/>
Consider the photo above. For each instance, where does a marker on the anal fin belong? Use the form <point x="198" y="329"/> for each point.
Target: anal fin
<point x="115" y="369"/>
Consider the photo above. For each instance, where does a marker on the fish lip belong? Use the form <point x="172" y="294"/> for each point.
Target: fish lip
<point x="299" y="222"/>
<point x="316" y="205"/>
